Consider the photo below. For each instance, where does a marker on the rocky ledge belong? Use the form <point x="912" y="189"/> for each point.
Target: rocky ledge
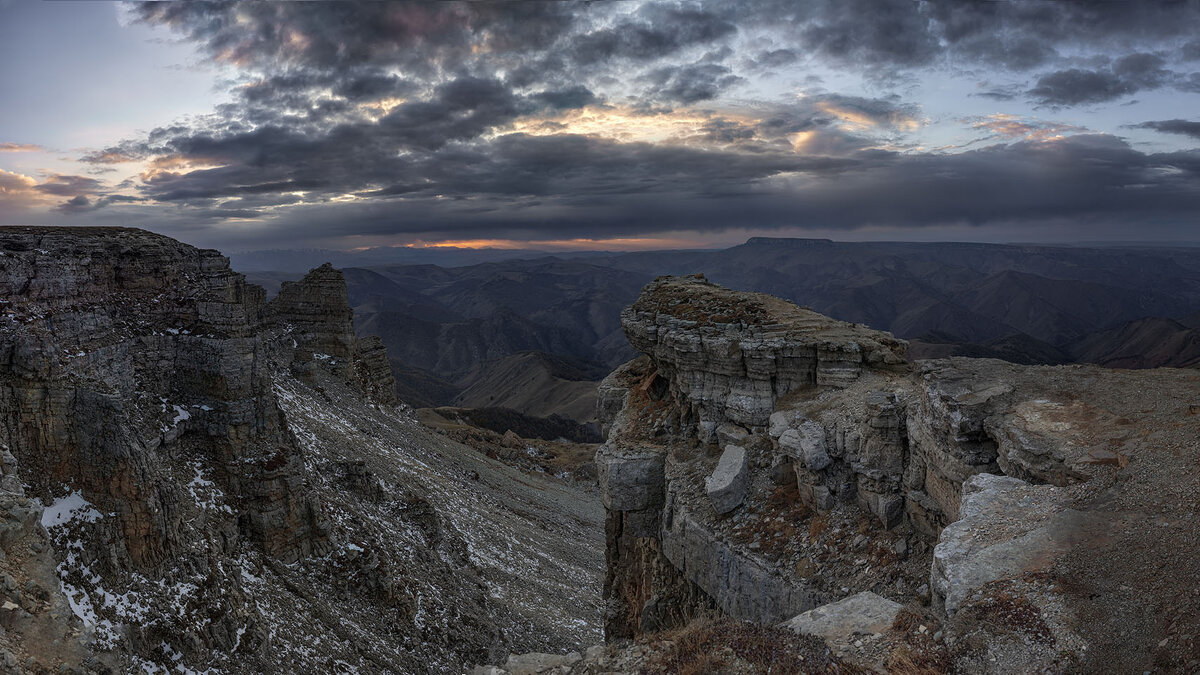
<point x="730" y="355"/>
<point x="763" y="461"/>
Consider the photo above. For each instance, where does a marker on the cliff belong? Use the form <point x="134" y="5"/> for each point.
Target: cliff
<point x="191" y="478"/>
<point x="763" y="461"/>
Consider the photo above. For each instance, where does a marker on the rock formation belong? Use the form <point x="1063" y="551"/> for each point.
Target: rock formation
<point x="730" y="357"/>
<point x="964" y="487"/>
<point x="314" y="314"/>
<point x="191" y="478"/>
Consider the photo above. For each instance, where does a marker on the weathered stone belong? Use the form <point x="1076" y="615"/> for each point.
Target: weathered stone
<point x="630" y="479"/>
<point x="807" y="444"/>
<point x="535" y="663"/>
<point x="780" y="421"/>
<point x="314" y="315"/>
<point x="728" y="356"/>
<point x="726" y="486"/>
<point x="1007" y="527"/>
<point x="863" y="613"/>
<point x="731" y="434"/>
<point x="741" y="585"/>
<point x="817" y="496"/>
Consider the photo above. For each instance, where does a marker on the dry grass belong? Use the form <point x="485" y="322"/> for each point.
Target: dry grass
<point x="1015" y="613"/>
<point x="912" y="660"/>
<point x="775" y="527"/>
<point x="817" y="525"/>
<point x="906" y="620"/>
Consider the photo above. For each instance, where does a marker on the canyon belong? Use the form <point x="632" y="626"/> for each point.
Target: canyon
<point x="196" y="477"/>
<point x="772" y="465"/>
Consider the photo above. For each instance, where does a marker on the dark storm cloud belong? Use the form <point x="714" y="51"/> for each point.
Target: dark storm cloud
<point x="691" y="83"/>
<point x="1075" y="87"/>
<point x="775" y="58"/>
<point x="76" y="205"/>
<point x="1129" y="74"/>
<point x="409" y="110"/>
<point x="338" y="35"/>
<point x="83" y="204"/>
<point x="655" y="31"/>
<point x="1083" y="179"/>
<point x="1183" y="127"/>
<point x="998" y="93"/>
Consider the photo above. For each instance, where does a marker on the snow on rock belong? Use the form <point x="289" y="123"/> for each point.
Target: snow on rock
<point x="68" y="508"/>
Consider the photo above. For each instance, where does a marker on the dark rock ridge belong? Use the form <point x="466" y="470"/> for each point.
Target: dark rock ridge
<point x="315" y="313"/>
<point x="191" y="478"/>
<point x="118" y="342"/>
<point x="960" y="483"/>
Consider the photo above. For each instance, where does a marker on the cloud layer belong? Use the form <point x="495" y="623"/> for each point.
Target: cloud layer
<point x="557" y="120"/>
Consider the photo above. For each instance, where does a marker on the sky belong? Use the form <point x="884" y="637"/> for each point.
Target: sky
<point x="603" y="125"/>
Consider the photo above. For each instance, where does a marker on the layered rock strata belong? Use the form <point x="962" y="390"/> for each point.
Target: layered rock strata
<point x="314" y="315"/>
<point x="861" y="466"/>
<point x="730" y="356"/>
<point x="119" y="343"/>
<point x="191" y="479"/>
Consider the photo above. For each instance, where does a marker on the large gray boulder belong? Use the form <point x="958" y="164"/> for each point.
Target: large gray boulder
<point x="1008" y="527"/>
<point x="861" y="613"/>
<point x="726" y="487"/>
<point x="631" y="479"/>
<point x="779" y="422"/>
<point x="807" y="444"/>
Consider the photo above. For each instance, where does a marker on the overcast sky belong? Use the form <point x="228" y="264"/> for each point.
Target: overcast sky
<point x="603" y="125"/>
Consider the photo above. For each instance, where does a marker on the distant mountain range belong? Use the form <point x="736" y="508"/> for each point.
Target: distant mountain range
<point x="451" y="331"/>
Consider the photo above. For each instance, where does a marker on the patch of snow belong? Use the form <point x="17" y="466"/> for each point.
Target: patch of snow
<point x="205" y="492"/>
<point x="66" y="509"/>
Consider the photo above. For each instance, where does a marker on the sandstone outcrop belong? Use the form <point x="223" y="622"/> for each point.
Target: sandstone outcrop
<point x="964" y="486"/>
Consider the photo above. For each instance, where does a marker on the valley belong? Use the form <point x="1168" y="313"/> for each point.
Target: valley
<point x="196" y="476"/>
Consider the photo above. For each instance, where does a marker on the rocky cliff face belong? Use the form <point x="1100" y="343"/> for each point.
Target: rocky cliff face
<point x="314" y="314"/>
<point x="962" y="484"/>
<point x="119" y="343"/>
<point x="730" y="356"/>
<point x="192" y="477"/>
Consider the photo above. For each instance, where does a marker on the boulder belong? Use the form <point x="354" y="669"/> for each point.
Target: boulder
<point x="779" y="422"/>
<point x="807" y="444"/>
<point x="630" y="479"/>
<point x="1008" y="527"/>
<point x="726" y="486"/>
<point x="534" y="663"/>
<point x="732" y="434"/>
<point x="861" y="613"/>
